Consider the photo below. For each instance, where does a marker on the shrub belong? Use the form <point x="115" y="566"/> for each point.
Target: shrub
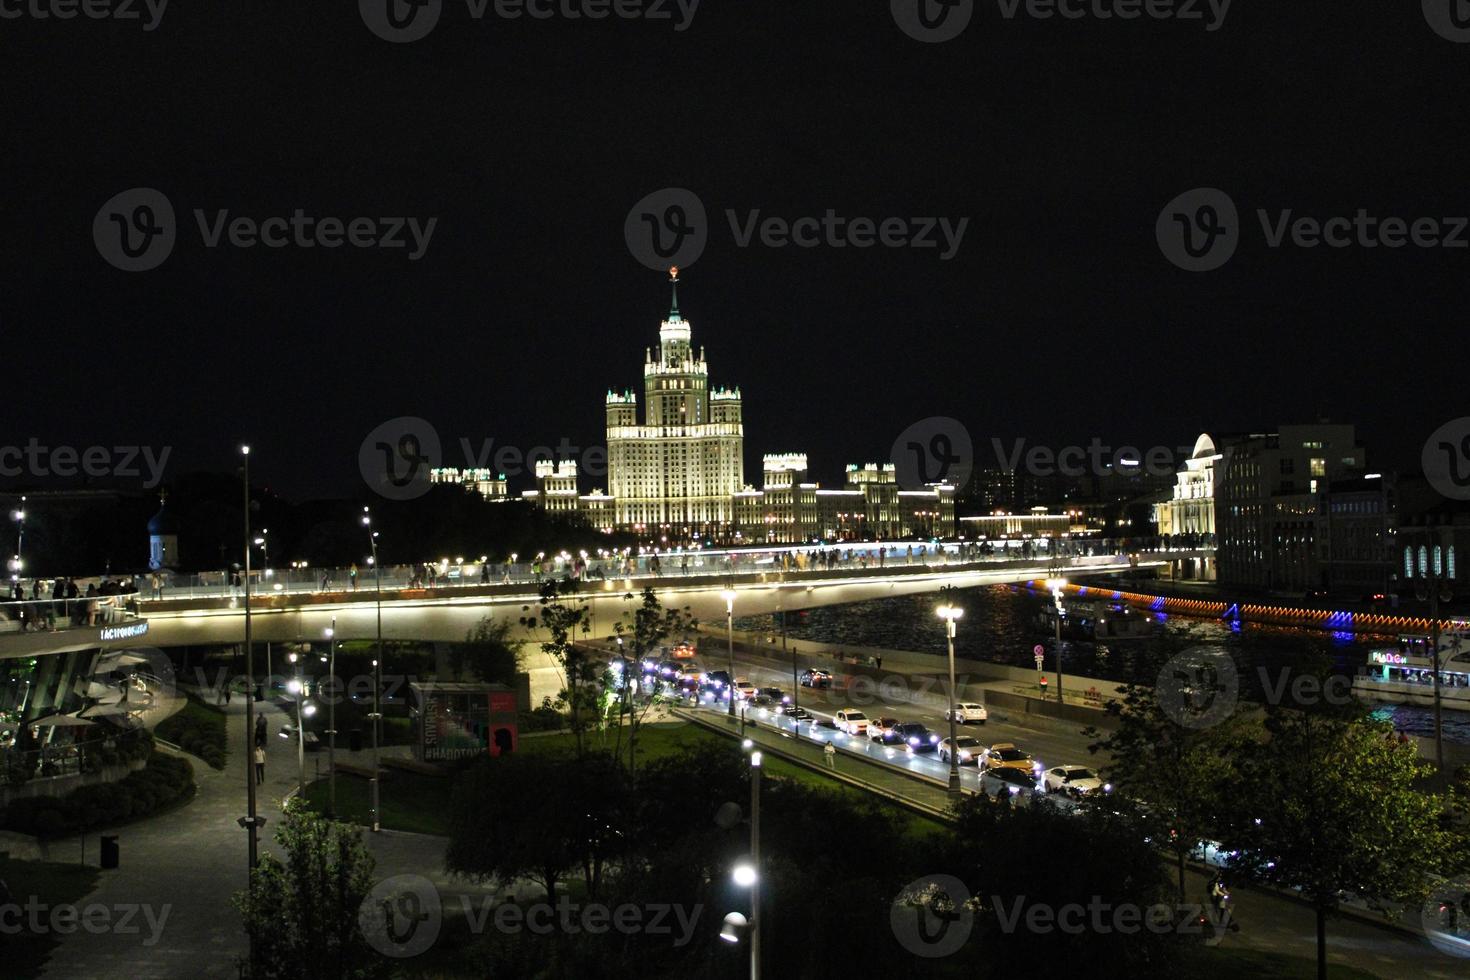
<point x="199" y="730"/>
<point x="165" y="781"/>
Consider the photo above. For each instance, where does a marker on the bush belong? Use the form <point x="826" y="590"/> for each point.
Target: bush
<point x="199" y="730"/>
<point x="164" y="782"/>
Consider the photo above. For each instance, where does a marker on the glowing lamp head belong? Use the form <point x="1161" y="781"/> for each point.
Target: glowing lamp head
<point x="744" y="875"/>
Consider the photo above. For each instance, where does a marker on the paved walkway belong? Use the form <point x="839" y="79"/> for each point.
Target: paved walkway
<point x="187" y="863"/>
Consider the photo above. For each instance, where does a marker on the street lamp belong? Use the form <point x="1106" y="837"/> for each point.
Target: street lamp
<point x="376" y="716"/>
<point x="951" y="614"/>
<point x="251" y="822"/>
<point x="1432" y="584"/>
<point x="19" y="517"/>
<point x="332" y="722"/>
<point x="729" y="596"/>
<point x="297" y="688"/>
<point x="747" y="874"/>
<point x="1057" y="585"/>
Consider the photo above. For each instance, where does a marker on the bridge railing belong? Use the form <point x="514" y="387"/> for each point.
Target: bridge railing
<point x="46" y="614"/>
<point x="285" y="581"/>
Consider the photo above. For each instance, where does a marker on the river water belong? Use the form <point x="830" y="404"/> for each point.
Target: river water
<point x="1001" y="625"/>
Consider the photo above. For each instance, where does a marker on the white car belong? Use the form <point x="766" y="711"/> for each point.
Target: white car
<point x="1073" y="780"/>
<point x="851" y="721"/>
<point x="744" y="689"/>
<point x="969" y="750"/>
<point x="968" y="711"/>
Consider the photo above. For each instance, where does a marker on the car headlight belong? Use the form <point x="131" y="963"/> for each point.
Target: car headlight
<point x="913" y="740"/>
<point x="1107" y="787"/>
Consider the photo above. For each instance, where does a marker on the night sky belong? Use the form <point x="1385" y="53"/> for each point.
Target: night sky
<point x="1058" y="320"/>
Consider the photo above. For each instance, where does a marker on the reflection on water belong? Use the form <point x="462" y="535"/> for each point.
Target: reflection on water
<point x="1001" y="625"/>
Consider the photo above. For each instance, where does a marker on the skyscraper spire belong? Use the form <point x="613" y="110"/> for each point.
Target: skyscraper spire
<point x="674" y="280"/>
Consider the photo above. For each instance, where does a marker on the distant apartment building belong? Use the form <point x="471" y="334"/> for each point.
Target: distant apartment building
<point x="1272" y="510"/>
<point x="487" y="483"/>
<point x="790" y="509"/>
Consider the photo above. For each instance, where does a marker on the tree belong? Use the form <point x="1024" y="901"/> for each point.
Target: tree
<point x="488" y="653"/>
<point x="538" y="817"/>
<point x="651" y="625"/>
<point x="1337" y="804"/>
<point x="564" y="618"/>
<point x="1173" y="761"/>
<point x="302" y="913"/>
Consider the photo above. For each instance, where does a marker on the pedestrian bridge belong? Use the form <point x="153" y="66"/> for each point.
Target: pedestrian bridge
<point x="447" y="613"/>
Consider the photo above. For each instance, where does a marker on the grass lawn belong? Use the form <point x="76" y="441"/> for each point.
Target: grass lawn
<point x="51" y="883"/>
<point x="409" y="801"/>
<point x="1229" y="963"/>
<point x="656" y="741"/>
<point x="198" y="729"/>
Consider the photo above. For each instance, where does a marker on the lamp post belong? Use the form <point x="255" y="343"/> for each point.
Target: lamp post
<point x="332" y="722"/>
<point x="376" y="716"/>
<point x="755" y="858"/>
<point x="19" y="517"/>
<point x="297" y="688"/>
<point x="1432" y="580"/>
<point x="729" y="597"/>
<point x="251" y="822"/>
<point x="951" y="615"/>
<point x="1057" y="585"/>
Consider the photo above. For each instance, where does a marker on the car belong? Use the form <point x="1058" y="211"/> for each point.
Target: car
<point x="881" y="729"/>
<point x="966" y="712"/>
<point x="852" y="721"/>
<point x="668" y="670"/>
<point x="717" y="679"/>
<point x="795" y="712"/>
<point x="776" y="695"/>
<point x="812" y="677"/>
<point x="916" y="737"/>
<point x="968" y="747"/>
<point x="688" y="668"/>
<point x="1075" y="781"/>
<point x="1014" y="781"/>
<point x="1005" y="755"/>
<point x="744" y="689"/>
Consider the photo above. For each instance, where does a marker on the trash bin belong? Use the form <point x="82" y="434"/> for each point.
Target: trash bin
<point x="354" y="739"/>
<point x="109" y="851"/>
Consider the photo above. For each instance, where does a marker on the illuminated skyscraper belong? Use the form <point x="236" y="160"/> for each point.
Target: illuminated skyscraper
<point x="680" y="468"/>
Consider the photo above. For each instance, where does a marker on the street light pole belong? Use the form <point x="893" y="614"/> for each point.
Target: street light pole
<point x="951" y="614"/>
<point x="19" y="516"/>
<point x="377" y="661"/>
<point x="1057" y="585"/>
<point x="251" y="821"/>
<point x="755" y="857"/>
<point x="332" y="723"/>
<point x="729" y="596"/>
<point x="300" y="692"/>
<point x="1431" y="577"/>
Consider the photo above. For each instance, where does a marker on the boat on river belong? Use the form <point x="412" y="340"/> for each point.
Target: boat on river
<point x="1404" y="673"/>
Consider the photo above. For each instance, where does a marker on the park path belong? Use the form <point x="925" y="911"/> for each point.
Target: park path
<point x="187" y="863"/>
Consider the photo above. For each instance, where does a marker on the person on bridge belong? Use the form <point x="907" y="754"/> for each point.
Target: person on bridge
<point x="352" y="575"/>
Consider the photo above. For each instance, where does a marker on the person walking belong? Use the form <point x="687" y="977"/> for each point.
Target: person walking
<point x="352" y="574"/>
<point x="829" y="756"/>
<point x="259" y="764"/>
<point x="260" y="730"/>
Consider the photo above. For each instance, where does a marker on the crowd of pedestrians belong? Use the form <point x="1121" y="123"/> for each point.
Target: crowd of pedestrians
<point x="60" y="603"/>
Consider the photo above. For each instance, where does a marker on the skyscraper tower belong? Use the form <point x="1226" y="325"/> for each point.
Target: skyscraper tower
<point x="673" y="476"/>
